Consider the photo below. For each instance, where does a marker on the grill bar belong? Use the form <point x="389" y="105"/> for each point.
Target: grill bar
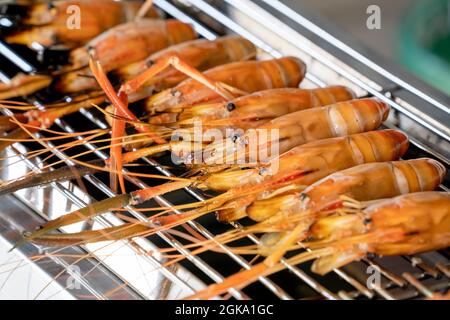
<point x="278" y="5"/>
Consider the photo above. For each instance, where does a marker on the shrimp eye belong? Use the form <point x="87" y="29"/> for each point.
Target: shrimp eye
<point x="174" y="92"/>
<point x="367" y="221"/>
<point x="27" y="234"/>
<point x="303" y="196"/>
<point x="135" y="198"/>
<point x="150" y="62"/>
<point x="231" y="106"/>
<point x="177" y="137"/>
<point x="262" y="171"/>
<point x="371" y="255"/>
<point x="91" y="50"/>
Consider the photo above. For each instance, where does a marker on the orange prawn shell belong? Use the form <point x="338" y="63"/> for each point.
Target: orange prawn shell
<point x="248" y="76"/>
<point x="132" y="41"/>
<point x="338" y="153"/>
<point x="405" y="224"/>
<point x="121" y="45"/>
<point x="340" y="119"/>
<point x="361" y="183"/>
<point x="300" y="127"/>
<point x="269" y="104"/>
<point x="423" y="218"/>
<point x="366" y="179"/>
<point x="49" y="24"/>
<point x="273" y="103"/>
<point x="202" y="54"/>
<point x="312" y="161"/>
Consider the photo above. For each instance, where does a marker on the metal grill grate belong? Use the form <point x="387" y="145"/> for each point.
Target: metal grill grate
<point x="402" y="277"/>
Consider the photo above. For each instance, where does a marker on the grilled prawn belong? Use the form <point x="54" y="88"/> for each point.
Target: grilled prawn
<point x="47" y="23"/>
<point x="288" y="217"/>
<point x="217" y="84"/>
<point x="279" y="134"/>
<point x="200" y="53"/>
<point x="302" y="166"/>
<point x="254" y="109"/>
<point x="335" y="120"/>
<point x="121" y="45"/>
<point x="249" y="110"/>
<point x="262" y="106"/>
<point x="406" y="224"/>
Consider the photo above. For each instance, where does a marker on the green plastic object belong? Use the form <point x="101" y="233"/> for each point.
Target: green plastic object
<point x="425" y="42"/>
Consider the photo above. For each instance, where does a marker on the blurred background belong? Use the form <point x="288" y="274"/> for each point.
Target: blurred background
<point x="414" y="33"/>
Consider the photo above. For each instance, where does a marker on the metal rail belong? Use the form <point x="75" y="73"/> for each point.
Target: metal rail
<point x="278" y="5"/>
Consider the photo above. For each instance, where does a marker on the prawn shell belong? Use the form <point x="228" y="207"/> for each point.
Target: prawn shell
<point x="267" y="104"/>
<point x="248" y="76"/>
<point x="201" y="54"/>
<point x="48" y="25"/>
<point x="423" y="217"/>
<point x="403" y="225"/>
<point x="361" y="183"/>
<point x="122" y="45"/>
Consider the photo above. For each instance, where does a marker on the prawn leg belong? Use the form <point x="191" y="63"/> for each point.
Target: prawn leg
<point x="148" y="4"/>
<point x="36" y="120"/>
<point x="125" y="231"/>
<point x="118" y="126"/>
<point x="120" y="100"/>
<point x="175" y="61"/>
<point x="17" y="135"/>
<point x="58" y="175"/>
<point x="133" y="198"/>
<point x="76" y="216"/>
<point x="246" y="277"/>
<point x="23" y="85"/>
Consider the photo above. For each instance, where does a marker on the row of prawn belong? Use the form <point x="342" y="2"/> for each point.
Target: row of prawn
<point x="338" y="187"/>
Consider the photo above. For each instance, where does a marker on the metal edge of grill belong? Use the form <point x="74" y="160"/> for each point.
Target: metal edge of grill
<point x="244" y="17"/>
